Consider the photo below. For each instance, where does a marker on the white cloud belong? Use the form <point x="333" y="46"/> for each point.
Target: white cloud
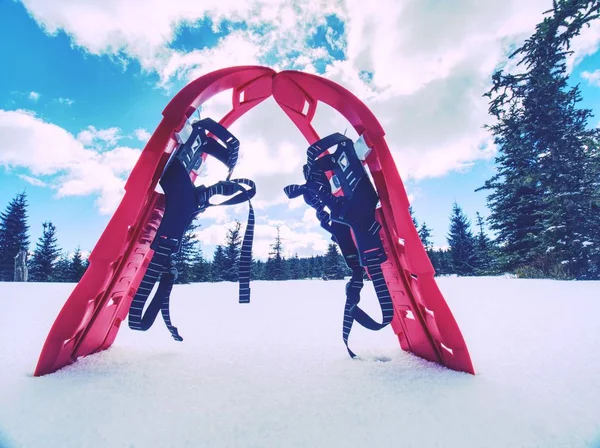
<point x="34" y="96"/>
<point x="77" y="170"/>
<point x="237" y="48"/>
<point x="99" y="138"/>
<point x="593" y="78"/>
<point x="430" y="68"/>
<point x="65" y="101"/>
<point x="33" y="180"/>
<point x="294" y="241"/>
<point x="117" y="27"/>
<point x="585" y="44"/>
<point x="142" y="135"/>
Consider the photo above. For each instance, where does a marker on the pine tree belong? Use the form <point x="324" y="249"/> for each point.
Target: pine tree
<point x="305" y="264"/>
<point x="77" y="267"/>
<point x="425" y="236"/>
<point x="310" y="273"/>
<point x="318" y="268"/>
<point x="185" y="259"/>
<point x="201" y="268"/>
<point x="334" y="265"/>
<point x="218" y="264"/>
<point x="592" y="244"/>
<point x="516" y="201"/>
<point x="45" y="255"/>
<point x="441" y="260"/>
<point x="461" y="242"/>
<point x="14" y="235"/>
<point x="258" y="270"/>
<point x="483" y="250"/>
<point x="295" y="268"/>
<point x="276" y="268"/>
<point x="543" y="192"/>
<point x="62" y="269"/>
<point x="434" y="257"/>
<point x="231" y="253"/>
<point x="412" y="216"/>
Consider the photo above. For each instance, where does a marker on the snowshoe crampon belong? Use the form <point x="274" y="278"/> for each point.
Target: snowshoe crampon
<point x="91" y="317"/>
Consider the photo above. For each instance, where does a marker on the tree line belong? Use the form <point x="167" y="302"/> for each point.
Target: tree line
<point x="193" y="267"/>
<point x="49" y="263"/>
<point x="467" y="254"/>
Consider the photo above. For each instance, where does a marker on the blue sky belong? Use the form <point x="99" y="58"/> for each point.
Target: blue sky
<point x="78" y="97"/>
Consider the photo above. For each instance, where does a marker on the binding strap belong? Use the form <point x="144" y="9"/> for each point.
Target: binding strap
<point x="183" y="202"/>
<point x="165" y="249"/>
<point x="228" y="188"/>
<point x="201" y="142"/>
<point x="160" y="266"/>
<point x="353" y="213"/>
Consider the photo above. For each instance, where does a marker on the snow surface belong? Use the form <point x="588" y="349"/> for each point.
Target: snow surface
<point x="275" y="373"/>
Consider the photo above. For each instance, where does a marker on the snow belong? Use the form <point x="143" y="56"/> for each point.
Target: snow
<point x="275" y="373"/>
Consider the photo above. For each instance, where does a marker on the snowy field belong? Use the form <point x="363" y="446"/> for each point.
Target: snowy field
<point x="275" y="373"/>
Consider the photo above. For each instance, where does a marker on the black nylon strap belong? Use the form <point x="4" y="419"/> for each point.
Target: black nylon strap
<point x="160" y="266"/>
<point x="354" y="286"/>
<point x="228" y="188"/>
<point x="184" y="202"/>
<point x="227" y="154"/>
<point x="351" y="213"/>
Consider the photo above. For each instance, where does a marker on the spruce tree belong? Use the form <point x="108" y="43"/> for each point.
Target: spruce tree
<point x="305" y="267"/>
<point x="45" y="255"/>
<point x="258" y="270"/>
<point x="186" y="258"/>
<point x="483" y="250"/>
<point x="461" y="242"/>
<point x="218" y="264"/>
<point x="425" y="236"/>
<point x="318" y="267"/>
<point x="201" y="268"/>
<point x="310" y="267"/>
<point x="442" y="262"/>
<point x="77" y="267"/>
<point x="437" y="258"/>
<point x="592" y="243"/>
<point x="334" y="265"/>
<point x="295" y="268"/>
<point x="231" y="253"/>
<point x="275" y="268"/>
<point x="14" y="235"/>
<point x="412" y="216"/>
<point x="543" y="192"/>
<point x="62" y="269"/>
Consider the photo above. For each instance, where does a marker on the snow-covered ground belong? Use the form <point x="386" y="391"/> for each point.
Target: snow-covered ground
<point x="275" y="373"/>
